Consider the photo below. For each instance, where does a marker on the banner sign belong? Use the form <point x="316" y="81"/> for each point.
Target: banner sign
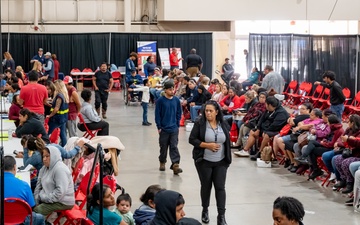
<point x="145" y="49"/>
<point x="164" y="58"/>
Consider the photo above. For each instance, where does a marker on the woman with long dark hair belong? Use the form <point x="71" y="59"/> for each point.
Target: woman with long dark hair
<point x="212" y="156"/>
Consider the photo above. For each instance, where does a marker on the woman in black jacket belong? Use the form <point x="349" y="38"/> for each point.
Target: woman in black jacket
<point x="204" y="96"/>
<point x="212" y="156"/>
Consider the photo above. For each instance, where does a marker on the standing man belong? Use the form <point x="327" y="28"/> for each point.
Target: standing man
<point x="193" y="63"/>
<point x="34" y="96"/>
<point x="16" y="188"/>
<point x="49" y="67"/>
<point x="174" y="59"/>
<point x="167" y="119"/>
<point x="39" y="57"/>
<point x="337" y="97"/>
<point x="273" y="80"/>
<point x="129" y="64"/>
<point x="103" y="83"/>
<point x="74" y="106"/>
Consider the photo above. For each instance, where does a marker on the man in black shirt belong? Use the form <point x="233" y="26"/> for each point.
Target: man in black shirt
<point x="193" y="63"/>
<point x="337" y="97"/>
<point x="103" y="83"/>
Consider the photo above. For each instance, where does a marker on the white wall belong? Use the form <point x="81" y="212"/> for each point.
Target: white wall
<point x="259" y="10"/>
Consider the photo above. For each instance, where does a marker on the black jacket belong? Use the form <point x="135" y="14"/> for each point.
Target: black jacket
<point x="273" y="121"/>
<point x="336" y="95"/>
<point x="34" y="127"/>
<point x="165" y="205"/>
<point x="203" y="97"/>
<point x="197" y="136"/>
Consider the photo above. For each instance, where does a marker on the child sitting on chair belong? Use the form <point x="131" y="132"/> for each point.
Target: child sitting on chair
<point x="132" y="81"/>
<point x="144" y="100"/>
<point x="123" y="205"/>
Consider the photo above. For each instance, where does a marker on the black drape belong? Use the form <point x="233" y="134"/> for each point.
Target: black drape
<point x="89" y="50"/>
<point x="306" y="57"/>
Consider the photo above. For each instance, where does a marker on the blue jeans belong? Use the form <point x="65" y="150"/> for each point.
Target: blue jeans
<point x="328" y="159"/>
<point x="62" y="126"/>
<point x="37" y="219"/>
<point x="354" y="167"/>
<point x="194" y="112"/>
<point x="338" y="110"/>
<point x="239" y="123"/>
<point x="246" y="84"/>
<point x="145" y="111"/>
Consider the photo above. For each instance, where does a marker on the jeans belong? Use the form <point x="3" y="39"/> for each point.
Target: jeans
<point x="194" y="112"/>
<point x="239" y="123"/>
<point x="71" y="126"/>
<point x="246" y="84"/>
<point x="53" y="124"/>
<point x="212" y="173"/>
<point x="37" y="219"/>
<point x="328" y="159"/>
<point x="354" y="167"/>
<point x="169" y="140"/>
<point x="101" y="97"/>
<point x="145" y="111"/>
<point x="338" y="110"/>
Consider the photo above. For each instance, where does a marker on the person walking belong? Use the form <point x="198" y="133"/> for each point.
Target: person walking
<point x="212" y="156"/>
<point x="337" y="97"/>
<point x="193" y="63"/>
<point x="167" y="119"/>
<point x="103" y="83"/>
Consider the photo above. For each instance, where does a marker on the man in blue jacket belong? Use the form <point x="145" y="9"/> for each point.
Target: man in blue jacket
<point x="167" y="118"/>
<point x="129" y="64"/>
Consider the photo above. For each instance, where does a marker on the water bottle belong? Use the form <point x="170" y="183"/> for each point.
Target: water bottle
<point x="10" y="133"/>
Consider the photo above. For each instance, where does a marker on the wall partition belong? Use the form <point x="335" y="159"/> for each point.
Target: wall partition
<point x="306" y="57"/>
<point x="89" y="50"/>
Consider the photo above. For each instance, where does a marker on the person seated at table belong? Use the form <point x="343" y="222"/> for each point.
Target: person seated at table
<point x="14" y="110"/>
<point x="30" y="124"/>
<point x="93" y="207"/>
<point x="92" y="120"/>
<point x="55" y="188"/>
<point x="132" y="81"/>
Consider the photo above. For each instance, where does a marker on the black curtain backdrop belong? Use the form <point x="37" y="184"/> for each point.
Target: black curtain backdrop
<point x="89" y="50"/>
<point x="306" y="57"/>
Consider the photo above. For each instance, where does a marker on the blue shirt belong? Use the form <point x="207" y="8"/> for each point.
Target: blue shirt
<point x="168" y="114"/>
<point x="16" y="188"/>
<point x="149" y="68"/>
<point x="40" y="59"/>
<point x="129" y="65"/>
<point x="109" y="218"/>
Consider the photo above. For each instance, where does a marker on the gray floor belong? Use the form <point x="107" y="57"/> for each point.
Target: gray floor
<point x="250" y="190"/>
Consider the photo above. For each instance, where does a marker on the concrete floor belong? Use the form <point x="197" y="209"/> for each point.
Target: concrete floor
<point x="250" y="190"/>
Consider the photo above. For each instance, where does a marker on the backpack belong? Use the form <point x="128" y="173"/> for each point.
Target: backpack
<point x="266" y="154"/>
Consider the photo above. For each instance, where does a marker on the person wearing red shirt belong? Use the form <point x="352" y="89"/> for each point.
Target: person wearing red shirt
<point x="34" y="96"/>
<point x="174" y="60"/>
<point x="56" y="67"/>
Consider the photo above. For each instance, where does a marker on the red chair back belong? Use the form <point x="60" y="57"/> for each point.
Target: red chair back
<point x="88" y="133"/>
<point x="16" y="211"/>
<point x="80" y="194"/>
<point x="75" y="70"/>
<point x="291" y="87"/>
<point x="115" y="75"/>
<point x="87" y="70"/>
<point x="78" y="166"/>
<point x="308" y="88"/>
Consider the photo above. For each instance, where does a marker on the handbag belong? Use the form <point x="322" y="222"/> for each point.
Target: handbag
<point x="266" y="154"/>
<point x="346" y="153"/>
<point x="285" y="130"/>
<point x="234" y="133"/>
<point x="303" y="139"/>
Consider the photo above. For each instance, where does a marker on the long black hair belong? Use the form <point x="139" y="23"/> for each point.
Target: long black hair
<point x="94" y="197"/>
<point x="26" y="112"/>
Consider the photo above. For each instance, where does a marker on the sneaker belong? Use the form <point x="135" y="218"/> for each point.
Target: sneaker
<point x="149" y="123"/>
<point x="162" y="166"/>
<point x="340" y="184"/>
<point x="287" y="163"/>
<point x="146" y="124"/>
<point x="301" y="160"/>
<point x="176" y="169"/>
<point x="255" y="157"/>
<point x="242" y="153"/>
<point x="332" y="177"/>
<point x="294" y="169"/>
<point x="349" y="202"/>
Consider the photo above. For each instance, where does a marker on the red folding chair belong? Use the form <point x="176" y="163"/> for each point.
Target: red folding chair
<point x="78" y="166"/>
<point x="87" y="70"/>
<point x="54" y="136"/>
<point x="316" y="94"/>
<point x="88" y="133"/>
<point x="15" y="211"/>
<point x="290" y="90"/>
<point x="294" y="98"/>
<point x="351" y="107"/>
<point x="116" y="75"/>
<point x="322" y="102"/>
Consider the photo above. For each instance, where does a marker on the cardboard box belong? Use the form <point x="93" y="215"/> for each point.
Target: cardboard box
<point x="263" y="164"/>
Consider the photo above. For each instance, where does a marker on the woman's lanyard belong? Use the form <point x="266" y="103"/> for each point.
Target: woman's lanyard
<point x="215" y="130"/>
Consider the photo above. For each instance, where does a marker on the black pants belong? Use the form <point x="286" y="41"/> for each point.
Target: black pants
<point x="101" y="97"/>
<point x="315" y="149"/>
<point x="212" y="173"/>
<point x="93" y="126"/>
<point x="169" y="140"/>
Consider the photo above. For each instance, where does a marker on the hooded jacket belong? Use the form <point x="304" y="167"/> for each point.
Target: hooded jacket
<point x="144" y="215"/>
<point x="275" y="120"/>
<point x="165" y="204"/>
<point x="336" y="131"/>
<point x="55" y="183"/>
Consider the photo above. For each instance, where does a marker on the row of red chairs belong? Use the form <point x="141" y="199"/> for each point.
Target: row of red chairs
<point x="116" y="75"/>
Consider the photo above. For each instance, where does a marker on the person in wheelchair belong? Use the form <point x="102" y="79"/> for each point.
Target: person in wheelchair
<point x="131" y="82"/>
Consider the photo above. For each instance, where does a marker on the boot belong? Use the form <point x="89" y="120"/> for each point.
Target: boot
<point x="176" y="169"/>
<point x="221" y="220"/>
<point x="103" y="113"/>
<point x="162" y="166"/>
<point x="205" y="216"/>
<point x="349" y="188"/>
<point x="98" y="111"/>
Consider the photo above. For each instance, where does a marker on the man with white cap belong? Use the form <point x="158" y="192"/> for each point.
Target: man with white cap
<point x="74" y="106"/>
<point x="49" y="67"/>
<point x="39" y="57"/>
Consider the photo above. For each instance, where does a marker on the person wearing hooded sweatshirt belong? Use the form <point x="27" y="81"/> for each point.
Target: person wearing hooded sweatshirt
<point x="169" y="208"/>
<point x="204" y="96"/>
<point x="55" y="188"/>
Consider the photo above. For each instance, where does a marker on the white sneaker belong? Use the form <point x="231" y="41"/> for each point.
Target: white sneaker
<point x="242" y="153"/>
<point x="332" y="177"/>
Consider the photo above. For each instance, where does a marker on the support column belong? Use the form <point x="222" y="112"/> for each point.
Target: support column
<point x="127" y="15"/>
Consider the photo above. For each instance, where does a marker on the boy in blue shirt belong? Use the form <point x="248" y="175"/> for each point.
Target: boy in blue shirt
<point x="132" y="81"/>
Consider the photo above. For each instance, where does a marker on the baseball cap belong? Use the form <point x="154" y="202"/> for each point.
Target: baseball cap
<point x="67" y="80"/>
<point x="48" y="54"/>
<point x="40" y="49"/>
<point x="168" y="85"/>
<point x="157" y="68"/>
<point x="133" y="70"/>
